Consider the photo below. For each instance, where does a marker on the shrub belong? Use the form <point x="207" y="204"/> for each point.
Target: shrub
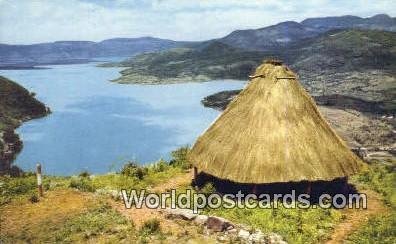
<point x="34" y="199"/>
<point x="179" y="158"/>
<point x="208" y="188"/>
<point x="133" y="170"/>
<point x="82" y="184"/>
<point x="160" y="166"/>
<point x="84" y="174"/>
<point x="151" y="226"/>
<point x="19" y="185"/>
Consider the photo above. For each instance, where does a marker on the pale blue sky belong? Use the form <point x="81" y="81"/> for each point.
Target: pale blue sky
<point x="33" y="21"/>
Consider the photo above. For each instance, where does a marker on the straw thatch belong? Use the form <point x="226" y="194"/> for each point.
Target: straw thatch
<point x="272" y="132"/>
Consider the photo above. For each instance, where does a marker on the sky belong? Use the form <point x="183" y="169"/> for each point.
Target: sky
<point x="36" y="21"/>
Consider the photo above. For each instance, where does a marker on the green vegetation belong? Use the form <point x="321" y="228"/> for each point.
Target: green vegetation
<point x="344" y="51"/>
<point x="315" y="225"/>
<point x="12" y="188"/>
<point x="379" y="229"/>
<point x="208" y="61"/>
<point x="150" y="227"/>
<point x="82" y="184"/>
<point x="102" y="220"/>
<point x="16" y="105"/>
<point x="75" y="217"/>
<point x="208" y="188"/>
<point x="179" y="158"/>
<point x="380" y="178"/>
<point x="295" y="225"/>
<point x="382" y="228"/>
<point x="133" y="170"/>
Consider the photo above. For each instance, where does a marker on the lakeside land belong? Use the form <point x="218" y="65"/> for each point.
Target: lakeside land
<point x="355" y="63"/>
<point x="17" y="105"/>
<point x="87" y="208"/>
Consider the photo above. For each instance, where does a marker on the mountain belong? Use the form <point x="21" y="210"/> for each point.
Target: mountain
<point x="16" y="105"/>
<point x="377" y="22"/>
<point x="345" y="50"/>
<point x="269" y="38"/>
<point x="207" y="61"/>
<point x="79" y="51"/>
<point x="341" y="51"/>
<point x="282" y="34"/>
<point x="126" y="47"/>
<point x="352" y="62"/>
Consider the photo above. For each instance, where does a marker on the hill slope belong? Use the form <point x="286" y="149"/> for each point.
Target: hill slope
<point x="213" y="60"/>
<point x="16" y="105"/>
<point x="78" y="51"/>
<point x="285" y="33"/>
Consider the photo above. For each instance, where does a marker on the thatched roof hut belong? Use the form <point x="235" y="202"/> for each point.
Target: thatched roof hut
<point x="273" y="132"/>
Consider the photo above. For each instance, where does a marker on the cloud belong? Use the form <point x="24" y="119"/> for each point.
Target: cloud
<point x="26" y="21"/>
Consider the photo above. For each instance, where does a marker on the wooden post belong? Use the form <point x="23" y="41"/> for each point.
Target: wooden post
<point x="39" y="180"/>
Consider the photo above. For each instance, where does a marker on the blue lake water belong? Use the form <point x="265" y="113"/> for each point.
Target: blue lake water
<point x="97" y="125"/>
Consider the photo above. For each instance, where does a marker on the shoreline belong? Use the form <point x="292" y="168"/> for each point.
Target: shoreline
<point x="13" y="145"/>
<point x="18" y="106"/>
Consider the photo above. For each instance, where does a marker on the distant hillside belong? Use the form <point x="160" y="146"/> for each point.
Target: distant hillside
<point x="78" y="51"/>
<point x="376" y="22"/>
<point x="343" y="50"/>
<point x="16" y="105"/>
<point x="346" y="50"/>
<point x="359" y="63"/>
<point x="285" y="33"/>
<point x="208" y="61"/>
<point x="269" y="38"/>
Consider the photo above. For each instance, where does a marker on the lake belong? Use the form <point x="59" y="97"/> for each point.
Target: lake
<point x="98" y="126"/>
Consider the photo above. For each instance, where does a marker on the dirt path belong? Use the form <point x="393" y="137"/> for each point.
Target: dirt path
<point x="139" y="216"/>
<point x="356" y="217"/>
<point x="178" y="231"/>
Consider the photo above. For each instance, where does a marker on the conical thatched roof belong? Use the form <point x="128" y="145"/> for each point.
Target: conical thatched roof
<point x="272" y="132"/>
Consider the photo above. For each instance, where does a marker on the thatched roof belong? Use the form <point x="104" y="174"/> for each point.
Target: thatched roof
<point x="272" y="132"/>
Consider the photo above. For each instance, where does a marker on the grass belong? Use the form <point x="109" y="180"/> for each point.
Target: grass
<point x="14" y="188"/>
<point x="295" y="225"/>
<point x="379" y="229"/>
<point x="69" y="212"/>
<point x="81" y="216"/>
<point x="382" y="228"/>
<point x="93" y="225"/>
<point x="316" y="225"/>
<point x="151" y="226"/>
<point x="380" y="178"/>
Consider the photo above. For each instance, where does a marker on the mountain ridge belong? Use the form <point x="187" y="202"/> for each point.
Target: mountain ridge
<point x="279" y="35"/>
<point x="79" y="51"/>
<point x="262" y="39"/>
